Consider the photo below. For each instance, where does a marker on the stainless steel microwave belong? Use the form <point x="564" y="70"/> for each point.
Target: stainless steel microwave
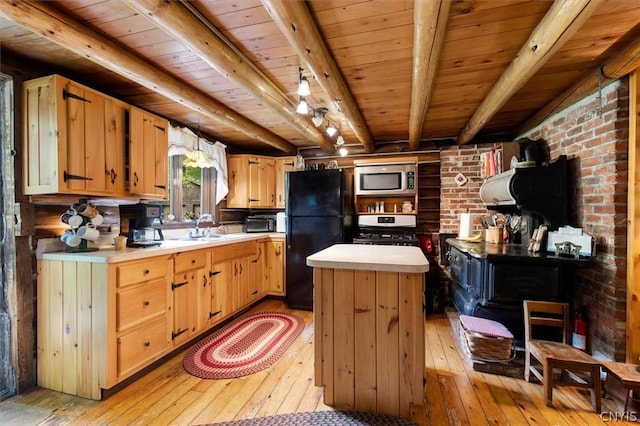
<point x="386" y="179"/>
<point x="260" y="224"/>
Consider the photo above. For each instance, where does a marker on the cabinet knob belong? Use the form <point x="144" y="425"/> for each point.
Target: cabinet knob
<point x="146" y="303"/>
<point x="147" y="344"/>
<point x="193" y="261"/>
<point x="147" y="272"/>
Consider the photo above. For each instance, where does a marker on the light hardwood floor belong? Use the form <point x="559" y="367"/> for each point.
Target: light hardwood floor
<point x="456" y="395"/>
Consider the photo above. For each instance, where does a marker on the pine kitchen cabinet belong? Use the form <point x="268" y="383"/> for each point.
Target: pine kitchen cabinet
<point x="252" y="181"/>
<point x="283" y="165"/>
<point x="104" y="316"/>
<point x="219" y="301"/>
<point x="74" y="139"/>
<point x="190" y="274"/>
<point x="98" y="323"/>
<point x="274" y="266"/>
<point x="148" y="155"/>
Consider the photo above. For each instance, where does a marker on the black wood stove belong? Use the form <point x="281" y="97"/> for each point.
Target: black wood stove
<point x="491" y="280"/>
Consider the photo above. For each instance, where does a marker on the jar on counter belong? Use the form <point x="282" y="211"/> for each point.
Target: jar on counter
<point x="407" y="207"/>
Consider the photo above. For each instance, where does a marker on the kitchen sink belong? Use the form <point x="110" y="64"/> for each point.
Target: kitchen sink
<point x="211" y="237"/>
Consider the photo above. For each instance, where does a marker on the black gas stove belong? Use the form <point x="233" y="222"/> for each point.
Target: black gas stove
<point x="396" y="230"/>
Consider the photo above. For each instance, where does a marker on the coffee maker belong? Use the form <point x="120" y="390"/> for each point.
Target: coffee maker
<point x="137" y="224"/>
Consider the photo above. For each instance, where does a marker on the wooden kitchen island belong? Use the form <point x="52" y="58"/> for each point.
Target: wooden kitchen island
<point x="369" y="327"/>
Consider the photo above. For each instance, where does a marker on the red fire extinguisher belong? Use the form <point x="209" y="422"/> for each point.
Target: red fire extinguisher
<point x="580" y="330"/>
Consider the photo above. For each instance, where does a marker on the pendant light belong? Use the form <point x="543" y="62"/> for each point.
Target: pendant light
<point x="303" y="107"/>
<point x="331" y="130"/>
<point x="197" y="158"/>
<point x="304" y="89"/>
<point x="319" y="118"/>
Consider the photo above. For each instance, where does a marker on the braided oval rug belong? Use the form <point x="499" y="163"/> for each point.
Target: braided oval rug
<point x="244" y="346"/>
<point x="322" y="418"/>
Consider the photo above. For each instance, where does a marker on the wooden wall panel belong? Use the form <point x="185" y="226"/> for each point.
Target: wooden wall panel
<point x="633" y="226"/>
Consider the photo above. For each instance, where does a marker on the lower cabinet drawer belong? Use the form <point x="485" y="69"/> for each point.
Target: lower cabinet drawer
<point x="136" y="304"/>
<point x="140" y="346"/>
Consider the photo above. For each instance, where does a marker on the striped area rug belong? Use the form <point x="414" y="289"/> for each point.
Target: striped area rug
<point x="244" y="346"/>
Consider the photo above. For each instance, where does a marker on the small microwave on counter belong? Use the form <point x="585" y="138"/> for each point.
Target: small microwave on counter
<point x="266" y="223"/>
<point x="386" y="179"/>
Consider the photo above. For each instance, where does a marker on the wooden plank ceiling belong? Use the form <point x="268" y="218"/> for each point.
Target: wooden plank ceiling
<point x="416" y="74"/>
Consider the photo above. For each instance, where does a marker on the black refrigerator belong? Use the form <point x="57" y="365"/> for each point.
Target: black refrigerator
<point x="319" y="213"/>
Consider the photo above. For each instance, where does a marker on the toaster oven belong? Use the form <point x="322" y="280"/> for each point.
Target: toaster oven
<point x="260" y="224"/>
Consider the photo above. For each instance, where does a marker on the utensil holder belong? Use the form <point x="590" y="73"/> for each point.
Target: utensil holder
<point x="494" y="234"/>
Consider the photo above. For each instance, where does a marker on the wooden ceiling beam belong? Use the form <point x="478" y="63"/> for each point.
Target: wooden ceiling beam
<point x="300" y="29"/>
<point x="616" y="67"/>
<point x="430" y="24"/>
<point x="177" y="21"/>
<point x="563" y="20"/>
<point x="43" y="19"/>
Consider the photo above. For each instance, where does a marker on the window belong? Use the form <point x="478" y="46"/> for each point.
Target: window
<point x="192" y="190"/>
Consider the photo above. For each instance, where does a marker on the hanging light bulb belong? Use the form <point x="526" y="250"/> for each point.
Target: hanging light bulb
<point x="318" y="119"/>
<point x="304" y="89"/>
<point x="340" y="140"/>
<point x="343" y="152"/>
<point x="331" y="130"/>
<point x="303" y="107"/>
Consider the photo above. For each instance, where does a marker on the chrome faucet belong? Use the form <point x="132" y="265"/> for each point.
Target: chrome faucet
<point x="201" y="233"/>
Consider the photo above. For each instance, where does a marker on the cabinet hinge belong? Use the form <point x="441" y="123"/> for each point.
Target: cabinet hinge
<point x="159" y="128"/>
<point x="68" y="176"/>
<point x="213" y="314"/>
<point x="251" y="200"/>
<point x="213" y="273"/>
<point x="254" y="162"/>
<point x="160" y="186"/>
<point x="177" y="285"/>
<point x="66" y="94"/>
<point x="175" y="334"/>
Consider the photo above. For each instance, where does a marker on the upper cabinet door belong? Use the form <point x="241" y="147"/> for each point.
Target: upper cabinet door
<point x="283" y="165"/>
<point x="148" y="151"/>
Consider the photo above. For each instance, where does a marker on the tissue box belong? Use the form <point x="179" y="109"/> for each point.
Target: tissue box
<point x="585" y="241"/>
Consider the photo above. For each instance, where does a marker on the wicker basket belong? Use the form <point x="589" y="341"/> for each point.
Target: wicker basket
<point x="486" y="340"/>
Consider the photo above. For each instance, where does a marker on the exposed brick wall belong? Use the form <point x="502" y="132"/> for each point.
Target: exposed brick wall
<point x="456" y="199"/>
<point x="597" y="147"/>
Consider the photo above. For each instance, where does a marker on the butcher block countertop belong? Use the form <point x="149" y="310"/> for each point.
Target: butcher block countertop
<point x="370" y="258"/>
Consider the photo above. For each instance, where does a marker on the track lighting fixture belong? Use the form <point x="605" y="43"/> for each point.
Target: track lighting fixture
<point x="340" y="140"/>
<point x="331" y="129"/>
<point x="303" y="84"/>
<point x="343" y="152"/>
<point x="303" y="107"/>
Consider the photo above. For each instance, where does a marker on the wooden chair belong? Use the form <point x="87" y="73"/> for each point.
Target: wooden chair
<point x="558" y="355"/>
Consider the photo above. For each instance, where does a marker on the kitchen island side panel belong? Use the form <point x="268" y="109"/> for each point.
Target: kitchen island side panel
<point x="365" y="337"/>
<point x="370" y="331"/>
